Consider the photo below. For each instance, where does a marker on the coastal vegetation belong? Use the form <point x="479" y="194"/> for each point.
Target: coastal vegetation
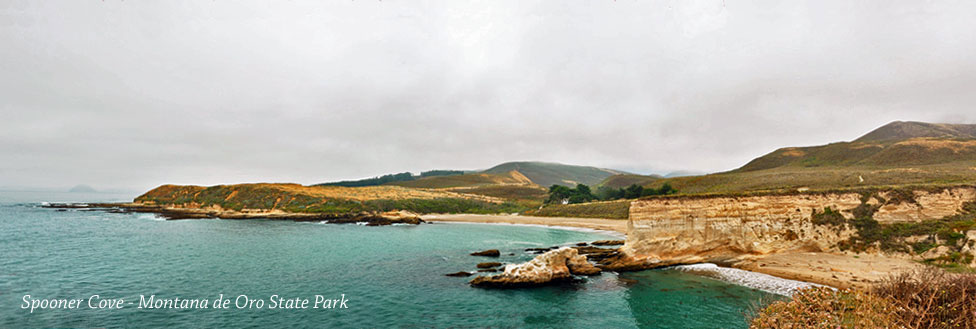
<point x="607" y="202"/>
<point x="927" y="298"/>
<point x="559" y="194"/>
<point x="529" y="196"/>
<point x="324" y="199"/>
<point x="619" y="209"/>
<point x="633" y="191"/>
<point x="444" y="206"/>
<point x="939" y="241"/>
<point x="467" y="180"/>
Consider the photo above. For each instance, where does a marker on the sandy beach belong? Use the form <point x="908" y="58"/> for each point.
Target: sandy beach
<point x="615" y="225"/>
<point x="835" y="270"/>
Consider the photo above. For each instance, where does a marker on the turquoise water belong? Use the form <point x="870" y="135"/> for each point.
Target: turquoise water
<point x="390" y="276"/>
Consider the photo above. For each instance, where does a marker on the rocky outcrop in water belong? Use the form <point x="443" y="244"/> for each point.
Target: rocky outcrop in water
<point x="487" y="253"/>
<point x="608" y="242"/>
<point x="554" y="266"/>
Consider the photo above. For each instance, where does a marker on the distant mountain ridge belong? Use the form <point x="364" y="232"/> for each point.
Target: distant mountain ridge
<point x="82" y="189"/>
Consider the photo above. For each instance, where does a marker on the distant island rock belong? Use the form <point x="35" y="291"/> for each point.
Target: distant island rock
<point x="82" y="189"/>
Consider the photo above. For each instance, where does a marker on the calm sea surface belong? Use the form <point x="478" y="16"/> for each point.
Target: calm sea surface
<point x="390" y="276"/>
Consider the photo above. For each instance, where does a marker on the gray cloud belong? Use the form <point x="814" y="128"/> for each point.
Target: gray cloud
<point x="132" y="94"/>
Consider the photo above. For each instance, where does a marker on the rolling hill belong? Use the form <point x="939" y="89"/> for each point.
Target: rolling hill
<point x="547" y="174"/>
<point x="323" y="199"/>
<point x="899" y="153"/>
<point x="900" y="130"/>
<point x="522" y="182"/>
<point x="467" y="180"/>
<point x="625" y="180"/>
<point x="539" y="173"/>
<point x="895" y="144"/>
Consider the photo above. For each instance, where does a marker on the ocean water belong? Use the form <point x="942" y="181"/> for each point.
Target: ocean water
<point x="391" y="276"/>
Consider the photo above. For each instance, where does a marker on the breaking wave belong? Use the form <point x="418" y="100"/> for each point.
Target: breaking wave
<point x="759" y="281"/>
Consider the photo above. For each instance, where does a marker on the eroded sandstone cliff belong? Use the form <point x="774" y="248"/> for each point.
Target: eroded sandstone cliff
<point x="681" y="230"/>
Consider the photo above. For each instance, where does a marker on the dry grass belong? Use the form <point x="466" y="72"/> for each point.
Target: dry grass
<point x="619" y="209"/>
<point x="328" y="192"/>
<point x="932" y="298"/>
<point x="791" y="178"/>
<point x="508" y="192"/>
<point x="928" y="298"/>
<point x="826" y="308"/>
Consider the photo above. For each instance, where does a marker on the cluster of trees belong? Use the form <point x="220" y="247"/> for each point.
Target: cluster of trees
<point x="390" y="178"/>
<point x="633" y="191"/>
<point x="582" y="193"/>
<point x="431" y="173"/>
<point x="563" y="194"/>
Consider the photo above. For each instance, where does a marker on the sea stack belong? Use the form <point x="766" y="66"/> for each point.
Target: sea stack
<point x="555" y="266"/>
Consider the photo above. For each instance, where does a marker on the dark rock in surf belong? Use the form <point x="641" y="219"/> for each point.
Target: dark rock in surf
<point x="487" y="253"/>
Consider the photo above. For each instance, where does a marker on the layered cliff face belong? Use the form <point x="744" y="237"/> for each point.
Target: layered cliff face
<point x="927" y="205"/>
<point x="670" y="231"/>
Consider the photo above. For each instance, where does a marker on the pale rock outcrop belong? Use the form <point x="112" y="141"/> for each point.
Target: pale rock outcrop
<point x="551" y="267"/>
<point x="670" y="231"/>
<point x="927" y="205"/>
<point x="936" y="252"/>
<point x="682" y="230"/>
<point x="969" y="246"/>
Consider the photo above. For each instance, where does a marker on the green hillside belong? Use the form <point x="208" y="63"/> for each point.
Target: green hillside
<point x="625" y="180"/>
<point x="392" y="178"/>
<point x="900" y="153"/>
<point x="548" y="174"/>
<point x="466" y="180"/>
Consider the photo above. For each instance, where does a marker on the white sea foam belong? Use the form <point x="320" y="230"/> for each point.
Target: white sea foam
<point x="150" y="217"/>
<point x="759" y="281"/>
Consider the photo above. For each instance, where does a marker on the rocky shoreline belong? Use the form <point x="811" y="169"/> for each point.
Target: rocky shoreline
<point x="179" y="213"/>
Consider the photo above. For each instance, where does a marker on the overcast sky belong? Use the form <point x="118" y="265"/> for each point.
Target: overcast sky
<point x="134" y="94"/>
